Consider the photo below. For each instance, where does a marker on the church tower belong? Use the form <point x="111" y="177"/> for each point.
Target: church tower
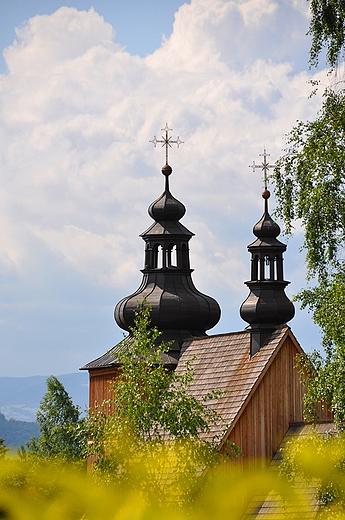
<point x="267" y="306"/>
<point x="178" y="309"/>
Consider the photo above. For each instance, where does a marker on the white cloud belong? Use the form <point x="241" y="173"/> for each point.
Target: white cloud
<point x="257" y="12"/>
<point x="105" y="258"/>
<point x="45" y="42"/>
<point x="76" y="115"/>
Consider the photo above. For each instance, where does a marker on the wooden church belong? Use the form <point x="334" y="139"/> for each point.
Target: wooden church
<point x="256" y="367"/>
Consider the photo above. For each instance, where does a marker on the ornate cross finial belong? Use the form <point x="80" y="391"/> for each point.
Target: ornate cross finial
<point x="265" y="166"/>
<point x="167" y="141"/>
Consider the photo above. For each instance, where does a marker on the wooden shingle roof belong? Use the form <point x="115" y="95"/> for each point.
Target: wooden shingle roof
<point x="110" y="359"/>
<point x="222" y="362"/>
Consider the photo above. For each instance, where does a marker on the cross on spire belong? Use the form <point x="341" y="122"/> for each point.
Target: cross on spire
<point x="265" y="166"/>
<point x="167" y="141"/>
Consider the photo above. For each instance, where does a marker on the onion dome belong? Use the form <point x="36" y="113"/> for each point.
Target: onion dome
<point x="267" y="306"/>
<point x="266" y="227"/>
<point x="178" y="309"/>
<point x="166" y="207"/>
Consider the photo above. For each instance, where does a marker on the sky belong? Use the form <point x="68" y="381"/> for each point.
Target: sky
<point x="84" y="88"/>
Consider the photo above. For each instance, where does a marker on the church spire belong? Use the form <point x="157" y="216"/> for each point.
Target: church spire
<point x="179" y="310"/>
<point x="267" y="305"/>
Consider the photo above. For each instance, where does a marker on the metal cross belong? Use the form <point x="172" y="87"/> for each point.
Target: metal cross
<point x="167" y="141"/>
<point x="264" y="166"/>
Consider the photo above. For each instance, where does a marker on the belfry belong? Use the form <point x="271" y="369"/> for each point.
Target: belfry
<point x="267" y="305"/>
<point x="178" y="309"/>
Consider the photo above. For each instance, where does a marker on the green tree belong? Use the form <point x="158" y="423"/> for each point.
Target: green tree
<point x="309" y="181"/>
<point x="152" y="417"/>
<point x="61" y="427"/>
<point x="327" y="29"/>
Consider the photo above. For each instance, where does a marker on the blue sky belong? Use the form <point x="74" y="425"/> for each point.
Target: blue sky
<point x="84" y="87"/>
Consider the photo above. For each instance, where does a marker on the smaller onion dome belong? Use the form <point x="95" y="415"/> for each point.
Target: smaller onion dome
<point x="266" y="227"/>
<point x="166" y="208"/>
<point x="267" y="306"/>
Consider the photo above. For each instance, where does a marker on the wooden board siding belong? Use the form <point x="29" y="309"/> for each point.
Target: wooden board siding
<point x="274" y="405"/>
<point x="100" y="382"/>
<point x="324" y="414"/>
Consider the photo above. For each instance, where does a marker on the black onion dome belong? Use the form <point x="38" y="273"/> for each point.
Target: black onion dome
<point x="166" y="207"/>
<point x="176" y="306"/>
<point x="266" y="227"/>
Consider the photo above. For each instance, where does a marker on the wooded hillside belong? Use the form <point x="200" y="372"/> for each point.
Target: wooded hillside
<point x="15" y="433"/>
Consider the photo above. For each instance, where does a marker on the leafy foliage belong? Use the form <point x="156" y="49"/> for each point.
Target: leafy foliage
<point x="324" y="380"/>
<point x="54" y="493"/>
<point x="310" y="186"/>
<point x="318" y="461"/>
<point x="327" y="302"/>
<point x="325" y="377"/>
<point x="62" y="432"/>
<point x="151" y="412"/>
<point x="327" y="28"/>
<point x="309" y="181"/>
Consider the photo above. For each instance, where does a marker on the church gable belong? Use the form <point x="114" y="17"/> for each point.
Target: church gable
<point x="263" y="394"/>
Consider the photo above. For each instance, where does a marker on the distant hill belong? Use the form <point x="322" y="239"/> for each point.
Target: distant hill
<point x="17" y="433"/>
<point x="20" y="396"/>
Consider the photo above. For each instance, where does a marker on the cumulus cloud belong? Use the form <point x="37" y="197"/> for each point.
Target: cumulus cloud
<point x="254" y="12"/>
<point x="77" y="112"/>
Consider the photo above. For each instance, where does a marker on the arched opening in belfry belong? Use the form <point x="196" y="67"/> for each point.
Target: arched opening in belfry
<point x="267" y="268"/>
<point x="273" y="269"/>
<point x="157" y="260"/>
<point x="279" y="267"/>
<point x="160" y="258"/>
<point x="172" y="255"/>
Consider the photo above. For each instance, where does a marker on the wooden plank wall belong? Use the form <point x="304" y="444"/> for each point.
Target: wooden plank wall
<point x="276" y="402"/>
<point x="100" y="382"/>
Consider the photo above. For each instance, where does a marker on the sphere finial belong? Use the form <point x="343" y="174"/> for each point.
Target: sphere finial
<point x="167" y="170"/>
